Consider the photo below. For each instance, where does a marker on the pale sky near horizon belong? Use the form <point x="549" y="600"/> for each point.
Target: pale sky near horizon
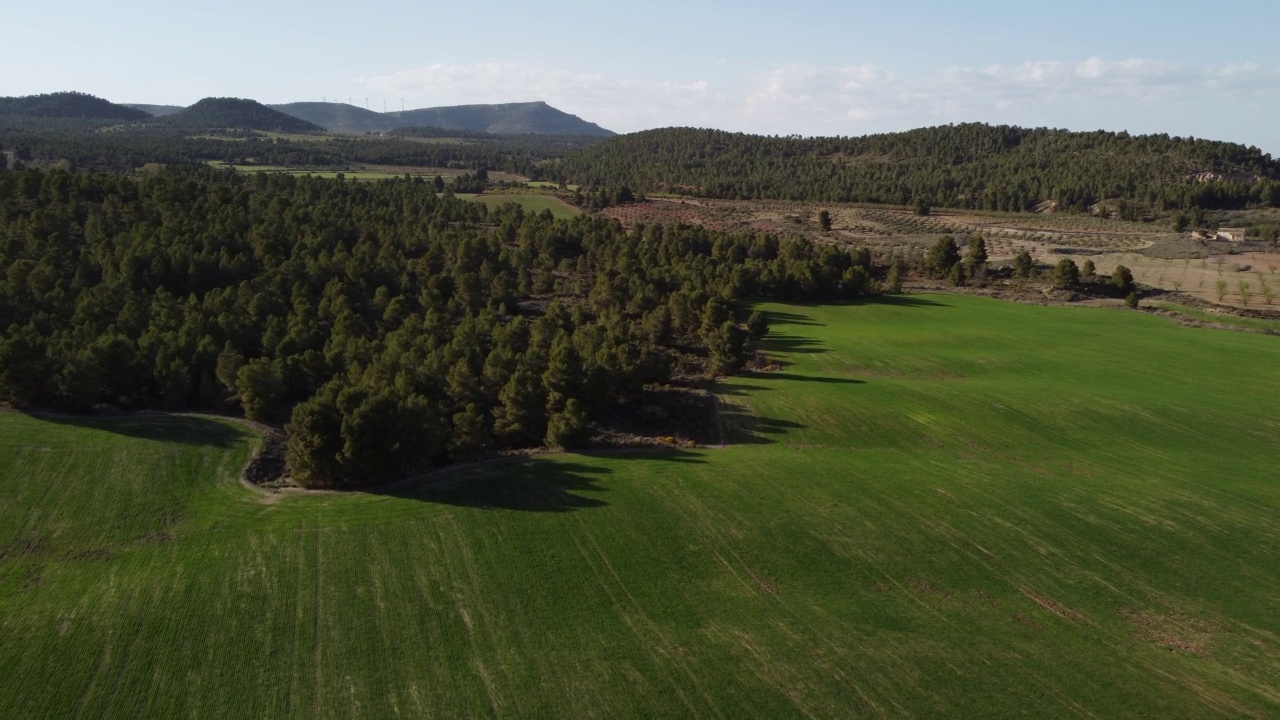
<point x="806" y="67"/>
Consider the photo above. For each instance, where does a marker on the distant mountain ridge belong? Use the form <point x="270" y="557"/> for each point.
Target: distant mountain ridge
<point x="69" y="105"/>
<point x="237" y="113"/>
<point x="528" y="118"/>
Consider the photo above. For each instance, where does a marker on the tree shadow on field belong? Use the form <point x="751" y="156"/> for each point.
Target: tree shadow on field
<point x="776" y="342"/>
<point x="777" y="317"/>
<point x="158" y="427"/>
<point x="531" y="484"/>
<point x="890" y="300"/>
<point x="752" y="374"/>
<point x="742" y="427"/>
<point x="895" y="301"/>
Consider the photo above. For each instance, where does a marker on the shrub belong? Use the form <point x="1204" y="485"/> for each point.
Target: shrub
<point x="1023" y="265"/>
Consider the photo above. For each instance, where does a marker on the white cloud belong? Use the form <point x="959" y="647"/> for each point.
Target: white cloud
<point x="854" y="99"/>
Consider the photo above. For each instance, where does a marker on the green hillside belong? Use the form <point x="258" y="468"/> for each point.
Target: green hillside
<point x="940" y="507"/>
<point x="961" y="166"/>
<point x="211" y="113"/>
<point x="68" y="105"/>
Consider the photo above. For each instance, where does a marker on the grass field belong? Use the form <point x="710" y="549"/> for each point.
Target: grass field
<point x="531" y="203"/>
<point x="942" y="506"/>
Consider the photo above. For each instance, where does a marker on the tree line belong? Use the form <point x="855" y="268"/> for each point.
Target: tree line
<point x="390" y="327"/>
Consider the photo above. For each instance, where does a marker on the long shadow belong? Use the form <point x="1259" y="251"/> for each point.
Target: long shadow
<point x="183" y="429"/>
<point x="528" y="484"/>
<point x="794" y="378"/>
<point x="740" y="390"/>
<point x="894" y="300"/>
<point x="745" y="428"/>
<point x="785" y="318"/>
<point x="776" y="342"/>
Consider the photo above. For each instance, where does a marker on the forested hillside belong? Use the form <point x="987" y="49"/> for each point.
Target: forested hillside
<point x="504" y="119"/>
<point x="68" y="105"/>
<point x="216" y="113"/>
<point x="393" y="328"/>
<point x="972" y="166"/>
<point x="133" y="147"/>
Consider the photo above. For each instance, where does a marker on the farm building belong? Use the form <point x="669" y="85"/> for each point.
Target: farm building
<point x="1231" y="234"/>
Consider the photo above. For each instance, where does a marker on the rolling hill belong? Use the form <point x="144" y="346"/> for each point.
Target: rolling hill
<point x="237" y="113"/>
<point x="536" y="118"/>
<point x="68" y="105"/>
<point x="339" y="117"/>
<point x="973" y="166"/>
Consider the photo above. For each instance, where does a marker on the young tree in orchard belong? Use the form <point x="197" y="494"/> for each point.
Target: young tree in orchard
<point x="1065" y="274"/>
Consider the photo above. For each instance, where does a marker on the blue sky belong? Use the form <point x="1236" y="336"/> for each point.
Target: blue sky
<point x="843" y="68"/>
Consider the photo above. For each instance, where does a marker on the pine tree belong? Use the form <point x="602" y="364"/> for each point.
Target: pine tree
<point x="1122" y="279"/>
<point x="1088" y="271"/>
<point x="976" y="258"/>
<point x="569" y="428"/>
<point x="260" y="389"/>
<point x="470" y="438"/>
<point x="893" y="281"/>
<point x="943" y="255"/>
<point x="520" y="416"/>
<point x="1065" y="274"/>
<point x="564" y="377"/>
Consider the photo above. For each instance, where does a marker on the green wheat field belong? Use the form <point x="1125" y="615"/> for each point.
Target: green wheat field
<point x="941" y="506"/>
